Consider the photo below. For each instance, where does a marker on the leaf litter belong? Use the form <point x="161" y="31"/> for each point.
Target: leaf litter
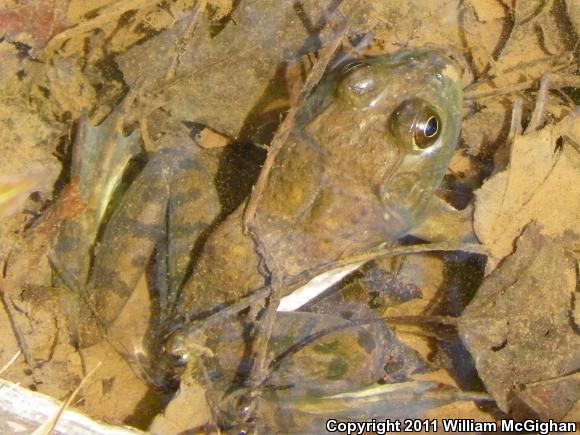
<point x="219" y="66"/>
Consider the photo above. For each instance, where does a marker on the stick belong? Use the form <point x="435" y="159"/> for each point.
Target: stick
<point x="541" y="103"/>
<point x="297" y="281"/>
<point x="285" y="128"/>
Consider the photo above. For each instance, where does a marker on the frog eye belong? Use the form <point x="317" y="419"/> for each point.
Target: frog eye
<point x="415" y="123"/>
<point x="357" y="80"/>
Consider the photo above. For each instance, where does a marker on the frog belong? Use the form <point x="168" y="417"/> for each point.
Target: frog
<point x="365" y="137"/>
<point x="363" y="160"/>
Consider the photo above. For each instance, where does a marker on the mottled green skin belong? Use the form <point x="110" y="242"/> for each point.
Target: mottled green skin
<point x="173" y="195"/>
<point x="343" y="183"/>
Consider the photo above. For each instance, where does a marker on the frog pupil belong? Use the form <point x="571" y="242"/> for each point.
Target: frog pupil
<point x="415" y="123"/>
<point x="431" y="127"/>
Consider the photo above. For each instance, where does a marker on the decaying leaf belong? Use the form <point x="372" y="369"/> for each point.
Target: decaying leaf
<point x="28" y="263"/>
<point x="574" y="14"/>
<point x="485" y="126"/>
<point x="541" y="184"/>
<point x="208" y="138"/>
<point x="231" y="72"/>
<point x="180" y="416"/>
<point x="32" y="21"/>
<point x="519" y="331"/>
<point x="37" y="321"/>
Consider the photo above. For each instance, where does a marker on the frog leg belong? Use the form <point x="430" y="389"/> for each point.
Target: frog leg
<point x="132" y="234"/>
<point x="99" y="157"/>
<point x="228" y="269"/>
<point x="193" y="211"/>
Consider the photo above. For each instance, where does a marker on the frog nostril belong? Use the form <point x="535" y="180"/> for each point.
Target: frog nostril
<point x="351" y="66"/>
<point x="361" y="86"/>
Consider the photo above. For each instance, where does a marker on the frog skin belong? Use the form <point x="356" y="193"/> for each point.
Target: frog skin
<point x="368" y="150"/>
<point x="357" y="170"/>
<point x="350" y="177"/>
<point x="178" y="181"/>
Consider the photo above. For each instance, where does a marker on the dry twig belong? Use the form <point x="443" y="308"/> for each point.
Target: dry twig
<point x="259" y="370"/>
<point x="541" y="104"/>
<point x="298" y="281"/>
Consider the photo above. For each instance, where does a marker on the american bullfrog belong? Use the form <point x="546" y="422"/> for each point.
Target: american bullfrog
<point x="369" y="149"/>
<point x="361" y="164"/>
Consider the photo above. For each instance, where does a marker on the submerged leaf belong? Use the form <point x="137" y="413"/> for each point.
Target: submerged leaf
<point x="541" y="184"/>
<point x="519" y="331"/>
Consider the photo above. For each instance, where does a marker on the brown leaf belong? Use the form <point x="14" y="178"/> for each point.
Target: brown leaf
<point x="40" y="18"/>
<point x="541" y="184"/>
<point x="518" y="327"/>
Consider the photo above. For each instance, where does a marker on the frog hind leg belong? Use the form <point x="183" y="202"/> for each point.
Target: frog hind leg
<point x="129" y="239"/>
<point x="228" y="269"/>
<point x="193" y="211"/>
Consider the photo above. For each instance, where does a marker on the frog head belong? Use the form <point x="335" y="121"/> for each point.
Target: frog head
<point x="368" y="151"/>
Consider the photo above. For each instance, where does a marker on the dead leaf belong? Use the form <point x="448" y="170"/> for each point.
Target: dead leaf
<point x="223" y="80"/>
<point x="180" y="415"/>
<point x="518" y="329"/>
<point x="541" y="184"/>
<point x="28" y="263"/>
<point x="574" y="14"/>
<point x="485" y="126"/>
<point x="35" y="21"/>
<point x="209" y="139"/>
